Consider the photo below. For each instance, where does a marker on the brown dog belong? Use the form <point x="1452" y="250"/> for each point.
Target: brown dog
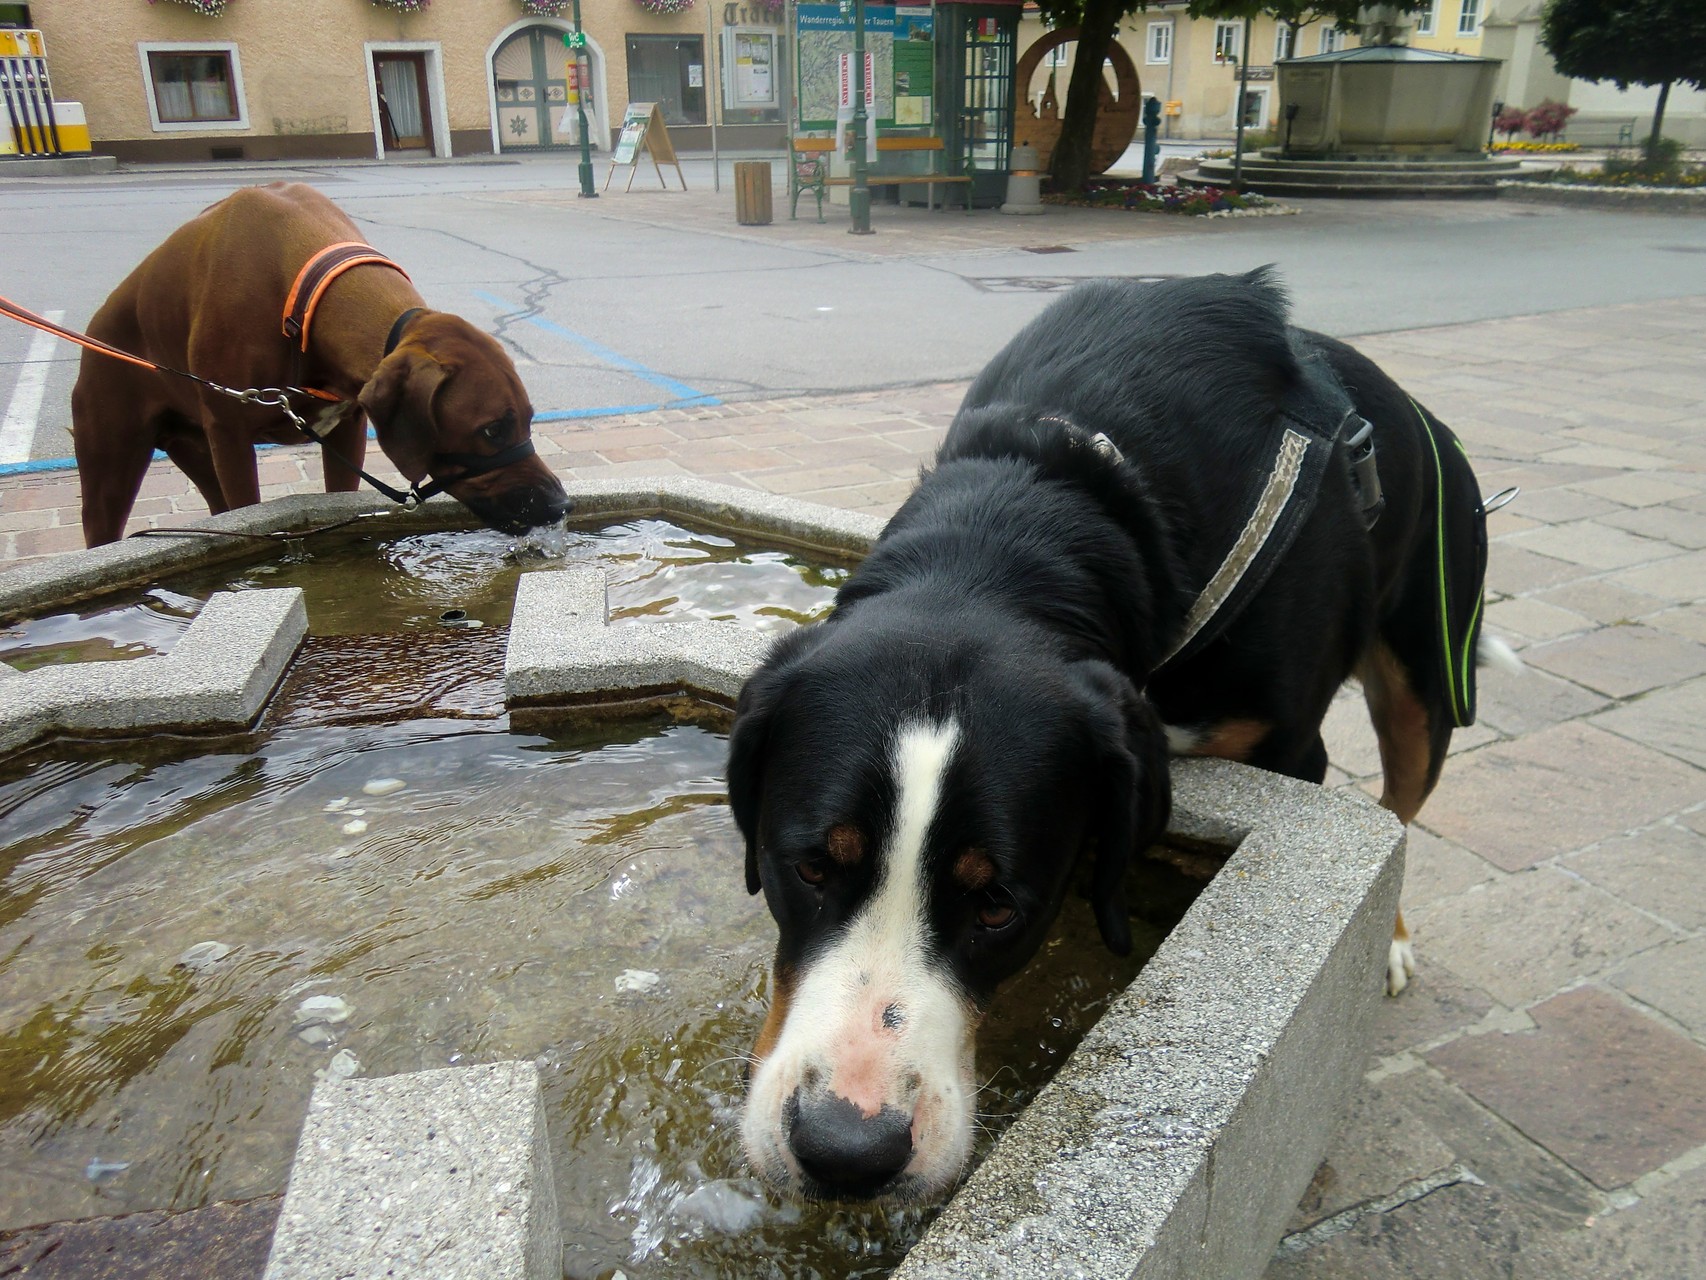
<point x="209" y="300"/>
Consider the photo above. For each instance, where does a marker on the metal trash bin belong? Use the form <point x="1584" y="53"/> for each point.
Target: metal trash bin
<point x="752" y="193"/>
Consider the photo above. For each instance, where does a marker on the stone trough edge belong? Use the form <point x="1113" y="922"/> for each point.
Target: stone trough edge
<point x="1177" y="1137"/>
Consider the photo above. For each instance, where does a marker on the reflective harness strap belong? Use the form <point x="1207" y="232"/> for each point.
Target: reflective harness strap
<point x="1287" y="497"/>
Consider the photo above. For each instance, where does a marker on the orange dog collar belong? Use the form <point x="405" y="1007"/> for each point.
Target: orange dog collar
<point x="316" y="277"/>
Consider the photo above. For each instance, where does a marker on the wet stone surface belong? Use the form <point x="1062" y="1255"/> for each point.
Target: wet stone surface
<point x="192" y="936"/>
<point x="461" y="579"/>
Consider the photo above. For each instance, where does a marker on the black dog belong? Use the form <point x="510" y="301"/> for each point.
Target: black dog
<point x="1157" y="520"/>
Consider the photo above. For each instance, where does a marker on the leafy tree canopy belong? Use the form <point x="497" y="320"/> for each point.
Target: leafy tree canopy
<point x="1650" y="42"/>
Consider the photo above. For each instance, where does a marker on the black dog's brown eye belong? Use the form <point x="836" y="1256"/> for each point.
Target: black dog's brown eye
<point x="814" y="872"/>
<point x="996" y="915"/>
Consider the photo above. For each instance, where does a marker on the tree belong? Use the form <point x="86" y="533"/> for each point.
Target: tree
<point x="1647" y="42"/>
<point x="1096" y="20"/>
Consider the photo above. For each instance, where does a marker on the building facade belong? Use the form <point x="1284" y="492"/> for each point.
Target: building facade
<point x="262" y="79"/>
<point x="1192" y="65"/>
<point x="1528" y="78"/>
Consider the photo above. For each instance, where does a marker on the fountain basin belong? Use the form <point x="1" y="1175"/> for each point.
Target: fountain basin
<point x="1179" y="1134"/>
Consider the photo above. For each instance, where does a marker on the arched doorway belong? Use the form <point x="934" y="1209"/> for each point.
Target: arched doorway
<point x="529" y="81"/>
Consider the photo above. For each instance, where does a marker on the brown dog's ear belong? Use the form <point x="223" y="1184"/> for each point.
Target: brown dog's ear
<point x="760" y="696"/>
<point x="1133" y="784"/>
<point x="398" y="399"/>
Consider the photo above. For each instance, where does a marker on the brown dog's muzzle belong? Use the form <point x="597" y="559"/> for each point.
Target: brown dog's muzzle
<point x="512" y="490"/>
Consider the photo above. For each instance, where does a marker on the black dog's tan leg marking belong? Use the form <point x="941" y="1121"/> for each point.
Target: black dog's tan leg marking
<point x="1412" y="749"/>
<point x="1232" y="739"/>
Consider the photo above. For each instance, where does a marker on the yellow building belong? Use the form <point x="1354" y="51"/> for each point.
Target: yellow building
<point x="265" y="79"/>
<point x="1192" y="64"/>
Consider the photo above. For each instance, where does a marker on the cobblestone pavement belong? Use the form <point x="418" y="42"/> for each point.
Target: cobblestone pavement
<point x="1536" y="1104"/>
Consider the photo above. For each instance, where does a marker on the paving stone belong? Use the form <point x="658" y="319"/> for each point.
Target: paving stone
<point x="1687" y="621"/>
<point x="1601" y="600"/>
<point x="1349" y="735"/>
<point x="1527" y="618"/>
<point x="1461" y="1232"/>
<point x="1636" y="490"/>
<point x="1525" y="701"/>
<point x="1620" y="661"/>
<point x="1560" y="505"/>
<point x="1436" y="868"/>
<point x="1593" y="545"/>
<point x="1436" y="1003"/>
<point x="1527" y="935"/>
<point x="1661" y="869"/>
<point x="1555" y="791"/>
<point x="1674" y="720"/>
<point x="1671" y="524"/>
<point x="1661" y="1238"/>
<point x="1513" y="571"/>
<point x="1669" y="979"/>
<point x="1610" y="1091"/>
<point x="1380" y="1145"/>
<point x="1682" y="579"/>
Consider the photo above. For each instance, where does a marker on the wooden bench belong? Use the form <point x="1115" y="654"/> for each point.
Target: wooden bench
<point x="809" y="170"/>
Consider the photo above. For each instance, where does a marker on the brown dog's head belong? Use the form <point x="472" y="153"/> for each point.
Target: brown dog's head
<point x="447" y="399"/>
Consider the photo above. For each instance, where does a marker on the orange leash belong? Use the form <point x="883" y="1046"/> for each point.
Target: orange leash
<point x="267" y="397"/>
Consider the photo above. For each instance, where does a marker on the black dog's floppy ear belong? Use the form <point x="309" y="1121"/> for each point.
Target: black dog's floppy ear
<point x="759" y="699"/>
<point x="1133" y="788"/>
<point x="398" y="399"/>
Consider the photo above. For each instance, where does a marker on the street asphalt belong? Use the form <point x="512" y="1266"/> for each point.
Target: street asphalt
<point x="649" y="298"/>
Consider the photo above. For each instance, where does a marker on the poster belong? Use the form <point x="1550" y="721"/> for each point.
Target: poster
<point x="898" y="39"/>
<point x="634" y="122"/>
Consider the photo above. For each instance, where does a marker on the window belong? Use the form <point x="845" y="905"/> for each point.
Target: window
<point x="1469" y="18"/>
<point x="1332" y="39"/>
<point x="193" y="86"/>
<point x="1160" y="43"/>
<point x="1427" y="19"/>
<point x="670" y="71"/>
<point x="1282" y="42"/>
<point x="1226" y="41"/>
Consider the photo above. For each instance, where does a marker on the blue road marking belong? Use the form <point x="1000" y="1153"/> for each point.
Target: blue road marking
<point x="685" y="395"/>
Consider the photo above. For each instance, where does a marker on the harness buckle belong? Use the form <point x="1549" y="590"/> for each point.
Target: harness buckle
<point x="1365" y="474"/>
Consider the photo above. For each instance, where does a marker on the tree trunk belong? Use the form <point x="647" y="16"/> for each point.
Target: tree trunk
<point x="1658" y="120"/>
<point x="1070" y="164"/>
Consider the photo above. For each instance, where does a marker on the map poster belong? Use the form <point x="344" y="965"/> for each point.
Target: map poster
<point x="824" y="36"/>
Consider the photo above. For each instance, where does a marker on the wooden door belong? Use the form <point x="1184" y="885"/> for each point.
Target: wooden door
<point x="405" y="115"/>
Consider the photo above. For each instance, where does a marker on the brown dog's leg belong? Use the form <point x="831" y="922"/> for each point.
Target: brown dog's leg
<point x="1412" y="750"/>
<point x="188" y="450"/>
<point x="113" y="417"/>
<point x="232" y="453"/>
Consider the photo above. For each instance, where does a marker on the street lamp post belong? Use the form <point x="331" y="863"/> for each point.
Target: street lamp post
<point x="582" y="66"/>
<point x="859" y="197"/>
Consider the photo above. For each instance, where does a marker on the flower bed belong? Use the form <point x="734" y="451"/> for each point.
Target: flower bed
<point x="1154" y="197"/>
<point x="1692" y="178"/>
<point x="1546" y="147"/>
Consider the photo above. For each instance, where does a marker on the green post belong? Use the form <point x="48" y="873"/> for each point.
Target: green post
<point x="588" y="192"/>
<point x="859" y="197"/>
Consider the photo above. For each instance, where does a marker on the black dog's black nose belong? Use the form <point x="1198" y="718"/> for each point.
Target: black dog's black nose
<point x="842" y="1149"/>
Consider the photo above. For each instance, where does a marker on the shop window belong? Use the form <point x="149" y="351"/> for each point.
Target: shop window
<point x="193" y="86"/>
<point x="1160" y="43"/>
<point x="1226" y="41"/>
<point x="670" y="71"/>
